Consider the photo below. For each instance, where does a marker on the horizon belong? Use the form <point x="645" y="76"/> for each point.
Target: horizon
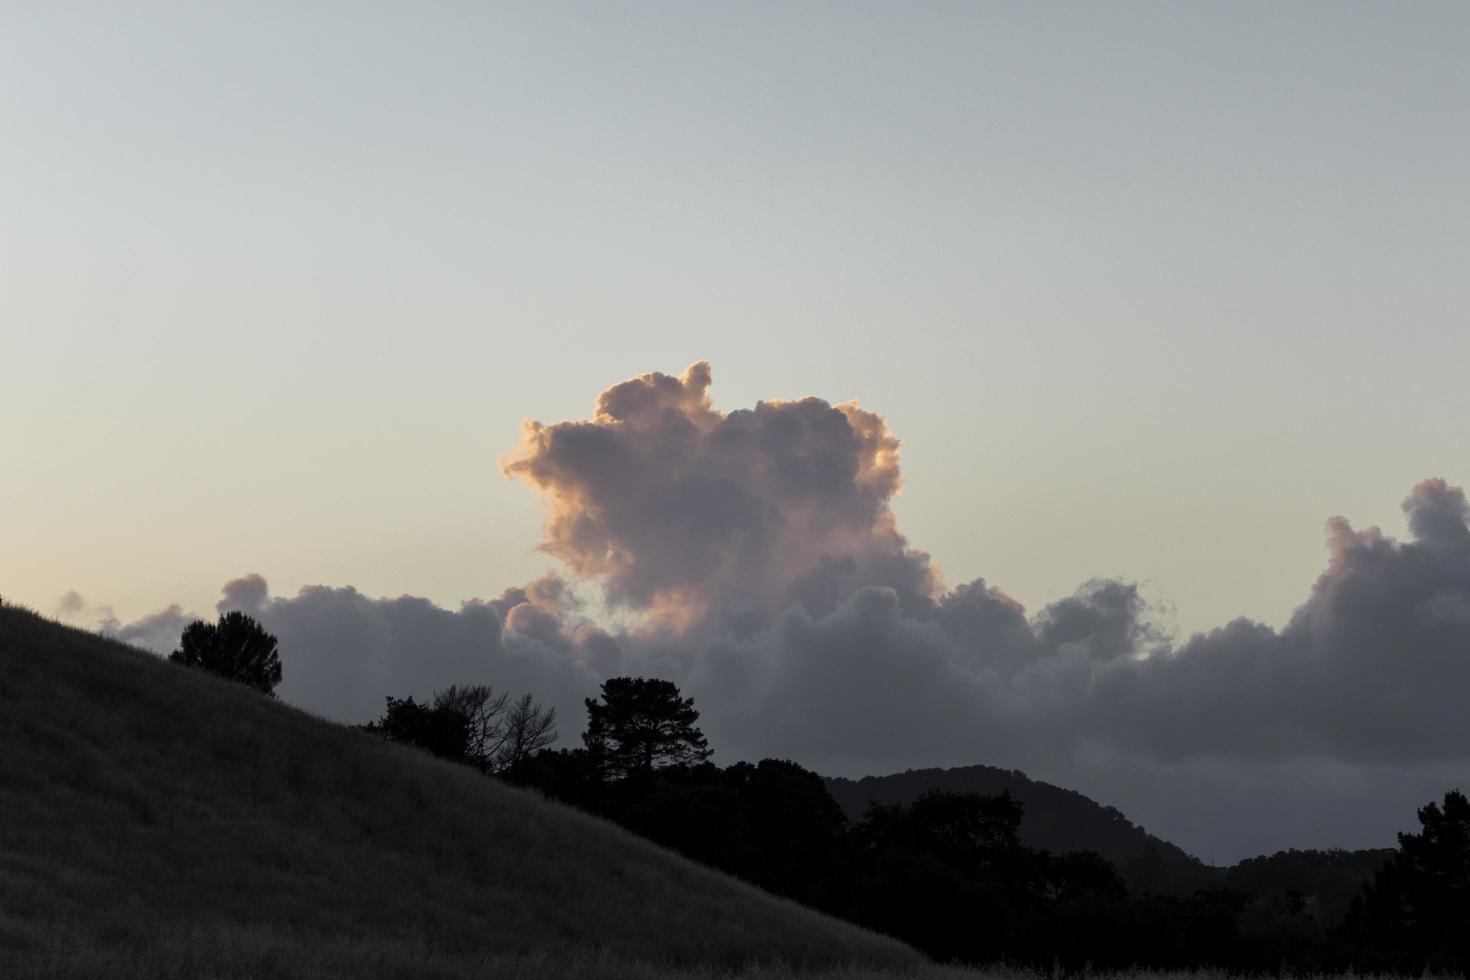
<point x="990" y="371"/>
<point x="751" y="556"/>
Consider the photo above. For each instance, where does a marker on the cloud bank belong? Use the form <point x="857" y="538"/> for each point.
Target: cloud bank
<point x="754" y="559"/>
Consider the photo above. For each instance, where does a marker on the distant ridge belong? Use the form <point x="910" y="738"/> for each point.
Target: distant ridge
<point x="159" y="822"/>
<point x="1060" y="820"/>
<point x="1054" y="819"/>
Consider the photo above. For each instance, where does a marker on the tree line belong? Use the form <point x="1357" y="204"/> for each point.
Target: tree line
<point x="947" y="873"/>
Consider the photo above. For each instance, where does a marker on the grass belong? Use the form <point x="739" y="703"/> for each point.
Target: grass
<point x="159" y="822"/>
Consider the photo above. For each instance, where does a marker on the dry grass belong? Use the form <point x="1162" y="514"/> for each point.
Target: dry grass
<point x="158" y="822"/>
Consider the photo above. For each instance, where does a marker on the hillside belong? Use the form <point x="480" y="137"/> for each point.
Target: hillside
<point x="159" y="822"/>
<point x="1327" y="880"/>
<point x="1054" y="819"/>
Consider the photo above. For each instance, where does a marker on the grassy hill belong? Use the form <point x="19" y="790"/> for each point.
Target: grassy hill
<point x="1054" y="819"/>
<point x="159" y="822"/>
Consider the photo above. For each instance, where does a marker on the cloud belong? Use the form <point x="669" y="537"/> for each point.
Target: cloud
<point x="71" y="605"/>
<point x="697" y="518"/>
<point x="247" y="594"/>
<point x="343" y="652"/>
<point x="158" y="631"/>
<point x="753" y="557"/>
<point x="762" y="552"/>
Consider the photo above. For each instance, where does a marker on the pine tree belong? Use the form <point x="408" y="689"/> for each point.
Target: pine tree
<point x="640" y="725"/>
<point x="236" y="647"/>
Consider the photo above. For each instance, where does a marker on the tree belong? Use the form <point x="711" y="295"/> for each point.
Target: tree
<point x="930" y="871"/>
<point x="640" y="725"/>
<point x="470" y="724"/>
<point x="528" y="729"/>
<point x="441" y="731"/>
<point x="1416" y="913"/>
<point x="794" y="829"/>
<point x="480" y="712"/>
<point x="236" y="647"/>
<point x="969" y="832"/>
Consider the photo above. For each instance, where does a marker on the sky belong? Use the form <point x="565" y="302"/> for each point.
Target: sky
<point x="1147" y="292"/>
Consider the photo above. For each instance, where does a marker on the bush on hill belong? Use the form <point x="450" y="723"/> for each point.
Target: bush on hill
<point x="236" y="648"/>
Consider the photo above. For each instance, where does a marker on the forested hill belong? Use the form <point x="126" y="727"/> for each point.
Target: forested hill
<point x="160" y="822"/>
<point x="1054" y="819"/>
<point x="1327" y="880"/>
<point x="1061" y="820"/>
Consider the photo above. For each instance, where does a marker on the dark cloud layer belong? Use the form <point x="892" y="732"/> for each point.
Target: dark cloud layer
<point x="756" y="560"/>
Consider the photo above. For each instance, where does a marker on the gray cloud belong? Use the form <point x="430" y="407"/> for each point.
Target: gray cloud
<point x="754" y="559"/>
<point x="158" y="631"/>
<point x="343" y="652"/>
<point x="71" y="605"/>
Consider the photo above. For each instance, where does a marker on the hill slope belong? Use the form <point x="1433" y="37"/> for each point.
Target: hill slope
<point x="1054" y="819"/>
<point x="1327" y="880"/>
<point x="156" y="821"/>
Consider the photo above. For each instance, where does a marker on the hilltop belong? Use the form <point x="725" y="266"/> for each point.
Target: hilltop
<point x="1062" y="820"/>
<point x="1054" y="819"/>
<point x="157" y="821"/>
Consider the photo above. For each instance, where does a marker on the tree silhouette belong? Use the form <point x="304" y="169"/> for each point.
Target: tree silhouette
<point x="528" y="729"/>
<point x="969" y="832"/>
<point x="1416" y="913"/>
<point x="439" y="729"/>
<point x="470" y="724"/>
<point x="640" y="725"/>
<point x="480" y="712"/>
<point x="236" y="647"/>
<point x="793" y="828"/>
<point x="931" y="870"/>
